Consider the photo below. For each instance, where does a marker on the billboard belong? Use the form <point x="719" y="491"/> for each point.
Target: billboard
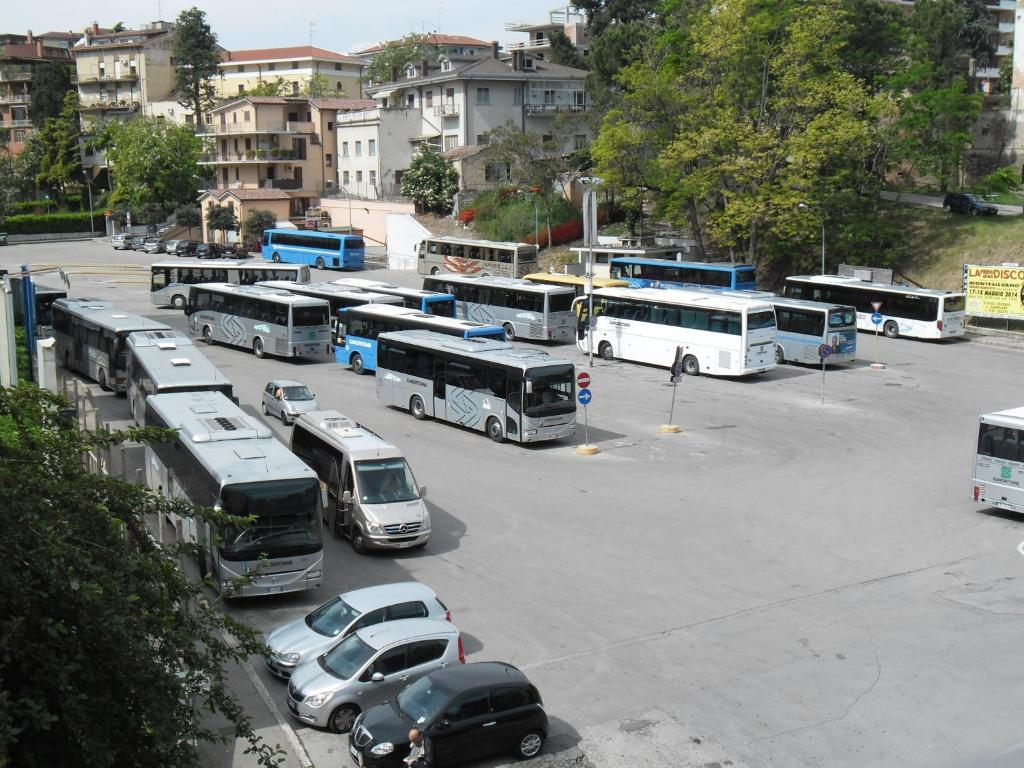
<point x="995" y="290"/>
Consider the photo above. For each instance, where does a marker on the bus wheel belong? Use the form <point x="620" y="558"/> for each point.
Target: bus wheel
<point x="690" y="366"/>
<point x="435" y="271"/>
<point x="510" y="332"/>
<point x="494" y="430"/>
<point x="277" y="258"/>
<point x="358" y="540"/>
<point x="357" y="364"/>
<point x="604" y="349"/>
<point x="891" y="330"/>
<point x="257" y="347"/>
<point x="101" y="379"/>
<point x="780" y="356"/>
<point x="416" y="408"/>
<point x="320" y="263"/>
<point x="178" y="302"/>
<point x="208" y="334"/>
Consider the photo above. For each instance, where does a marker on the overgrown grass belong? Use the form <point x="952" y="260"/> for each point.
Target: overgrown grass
<point x="511" y="218"/>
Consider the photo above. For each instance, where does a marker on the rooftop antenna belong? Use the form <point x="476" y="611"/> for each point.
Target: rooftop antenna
<point x="159" y="10"/>
<point x="311" y="25"/>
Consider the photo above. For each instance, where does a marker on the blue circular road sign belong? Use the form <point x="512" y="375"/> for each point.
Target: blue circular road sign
<point x="876" y="318"/>
<point x="584" y="396"/>
<point x="824" y="351"/>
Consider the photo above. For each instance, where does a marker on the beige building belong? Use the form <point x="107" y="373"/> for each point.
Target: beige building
<point x="242" y="201"/>
<point x="434" y="44"/>
<point x="20" y="56"/>
<point x="568" y="19"/>
<point x="241" y="71"/>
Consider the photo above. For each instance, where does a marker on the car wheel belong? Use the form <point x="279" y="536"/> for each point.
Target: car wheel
<point x="690" y="366"/>
<point x="101" y="379"/>
<point x="357" y="364"/>
<point x="284" y="417"/>
<point x="604" y="349"/>
<point x="178" y="302"/>
<point x="342" y="718"/>
<point x="208" y="334"/>
<point x="529" y="745"/>
<point x="277" y="258"/>
<point x="945" y="207"/>
<point x="320" y="262"/>
<point x="358" y="540"/>
<point x="435" y="271"/>
<point x="257" y="348"/>
<point x="510" y="332"/>
<point x="891" y="330"/>
<point x="780" y="356"/>
<point x="417" y="409"/>
<point x="263" y="407"/>
<point x="494" y="430"/>
<point x="974" y="211"/>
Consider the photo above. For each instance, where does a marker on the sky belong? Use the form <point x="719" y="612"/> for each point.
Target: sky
<point x="337" y="26"/>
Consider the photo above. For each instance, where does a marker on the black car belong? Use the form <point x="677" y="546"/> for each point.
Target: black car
<point x="962" y="202"/>
<point x="186" y="247"/>
<point x="467" y="712"/>
<point x="210" y="251"/>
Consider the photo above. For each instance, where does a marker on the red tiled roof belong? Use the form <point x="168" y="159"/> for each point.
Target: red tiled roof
<point x="29" y="51"/>
<point x="461" y="153"/>
<point x="65" y="35"/>
<point x="248" y="194"/>
<point x="346" y="105"/>
<point x="278" y="54"/>
<point x="433" y="38"/>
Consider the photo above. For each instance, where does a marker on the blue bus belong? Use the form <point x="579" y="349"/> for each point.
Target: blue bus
<point x="430" y="302"/>
<point x="365" y="323"/>
<point x="662" y="273"/>
<point x="323" y="250"/>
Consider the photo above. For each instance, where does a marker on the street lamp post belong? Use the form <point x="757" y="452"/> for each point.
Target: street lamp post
<point x="590" y="185"/>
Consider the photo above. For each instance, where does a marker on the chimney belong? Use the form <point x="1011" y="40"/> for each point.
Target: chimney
<point x="517" y="60"/>
<point x="39" y="48"/>
<point x="494" y="49"/>
<point x="95" y="29"/>
<point x="425" y="64"/>
<point x="29" y="38"/>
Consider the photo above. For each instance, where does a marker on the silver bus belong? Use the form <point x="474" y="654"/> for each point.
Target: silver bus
<point x="168" y="361"/>
<point x="999" y="460"/>
<point x="265" y="320"/>
<point x="169" y="281"/>
<point x="507" y="392"/>
<point x="429" y="302"/>
<point x="92" y="337"/>
<point x="225" y="459"/>
<point x="525" y="310"/>
<point x="440" y="255"/>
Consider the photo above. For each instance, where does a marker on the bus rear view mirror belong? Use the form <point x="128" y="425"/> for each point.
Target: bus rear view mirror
<point x="529" y="387"/>
<point x="346" y="497"/>
<point x="423" y="491"/>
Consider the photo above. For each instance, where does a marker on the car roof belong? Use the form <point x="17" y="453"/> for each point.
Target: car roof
<point x="372" y="598"/>
<point x="286" y="383"/>
<point x="387" y="633"/>
<point x="477" y="674"/>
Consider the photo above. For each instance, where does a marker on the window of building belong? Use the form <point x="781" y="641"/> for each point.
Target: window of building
<point x="579" y="141"/>
<point x="330" y="125"/>
<point x="271" y="67"/>
<point x="410" y="71"/>
<point x="359" y="177"/>
<point x="483" y="95"/>
<point x="359" y="149"/>
<point x="339" y="87"/>
<point x="344" y="177"/>
<point x="246" y="117"/>
<point x="451" y="141"/>
<point x="371" y="147"/>
<point x="482" y="138"/>
<point x="295" y="65"/>
<point x="295" y="88"/>
<point x="446" y="66"/>
<point x="344" y="149"/>
<point x="497" y="172"/>
<point x="236" y="173"/>
<point x="449" y="95"/>
<point x="373" y="178"/>
<point x="19" y="135"/>
<point x="241" y="89"/>
<point x="549" y="96"/>
<point x="328" y="159"/>
<point x="428" y="99"/>
<point x="410" y="100"/>
<point x="241" y="68"/>
<point x="337" y="66"/>
<point x="579" y="98"/>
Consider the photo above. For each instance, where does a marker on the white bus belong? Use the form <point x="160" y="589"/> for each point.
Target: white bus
<point x="719" y="335"/>
<point x="169" y="281"/>
<point x="265" y="320"/>
<point x="525" y="310"/>
<point x="92" y="337"/>
<point x="803" y="326"/>
<point x="428" y="302"/>
<point x="999" y="462"/>
<point x="437" y="255"/>
<point x="922" y="313"/>
<point x="225" y="459"/>
<point x="168" y="361"/>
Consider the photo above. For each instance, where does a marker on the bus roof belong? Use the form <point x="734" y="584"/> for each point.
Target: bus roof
<point x="638" y="250"/>
<point x="172" y="360"/>
<point x="358" y="442"/>
<point x="710" y="299"/>
<point x="234" y="446"/>
<point x="714" y="266"/>
<point x="261" y="292"/>
<point x="328" y="289"/>
<point x="504" y="282"/>
<point x="389" y="288"/>
<point x="479" y="243"/>
<point x="313" y="232"/>
<point x="782" y="301"/>
<point x="107" y="316"/>
<point x="557" y="278"/>
<point x="391" y="310"/>
<point x="855" y="282"/>
<point x="1012" y="418"/>
<point x="487" y="350"/>
<point x="212" y="263"/>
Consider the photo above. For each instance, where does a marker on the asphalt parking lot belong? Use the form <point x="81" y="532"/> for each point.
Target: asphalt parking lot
<point x="783" y="583"/>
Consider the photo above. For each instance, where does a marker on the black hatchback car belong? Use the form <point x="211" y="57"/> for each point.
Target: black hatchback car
<point x="962" y="202"/>
<point x="210" y="251"/>
<point x="467" y="712"/>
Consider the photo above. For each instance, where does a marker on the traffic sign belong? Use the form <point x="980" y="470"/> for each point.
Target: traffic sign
<point x="824" y="351"/>
<point x="583" y="380"/>
<point x="876" y="305"/>
<point x="593" y="323"/>
<point x="584" y="396"/>
<point x="877" y="318"/>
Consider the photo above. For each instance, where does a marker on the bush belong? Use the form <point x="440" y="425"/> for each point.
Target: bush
<point x="467" y="215"/>
<point x="45" y="224"/>
<point x="504" y="215"/>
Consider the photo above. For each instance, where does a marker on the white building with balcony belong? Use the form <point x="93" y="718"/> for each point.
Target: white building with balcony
<point x="567" y="19"/>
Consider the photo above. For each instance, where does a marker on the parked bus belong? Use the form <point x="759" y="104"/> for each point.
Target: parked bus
<point x="92" y="338"/>
<point x="168" y="361"/>
<point x="437" y="255"/>
<point x="999" y="461"/>
<point x="170" y="280"/>
<point x="921" y="313"/>
<point x="719" y="335"/>
<point x="324" y="250"/>
<point x="430" y="302"/>
<point x="338" y="296"/>
<point x="362" y="326"/>
<point x="226" y="459"/>
<point x="44" y="298"/>
<point x="507" y="392"/>
<point x="577" y="282"/>
<point x="803" y="326"/>
<point x="525" y="310"/>
<point x="662" y="273"/>
<point x="598" y="257"/>
<point x="372" y="495"/>
<point x="265" y="320"/>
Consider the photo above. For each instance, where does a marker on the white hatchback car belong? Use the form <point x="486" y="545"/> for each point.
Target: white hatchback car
<point x="306" y="638"/>
<point x="286" y="399"/>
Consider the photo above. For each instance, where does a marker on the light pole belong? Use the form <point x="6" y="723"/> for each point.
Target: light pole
<point x="806" y="207"/>
<point x="88" y="189"/>
<point x="590" y="185"/>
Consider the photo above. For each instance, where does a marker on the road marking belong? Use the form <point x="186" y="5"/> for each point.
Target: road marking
<point x="1020" y="548"/>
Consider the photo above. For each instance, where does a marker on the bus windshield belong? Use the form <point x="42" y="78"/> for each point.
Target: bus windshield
<point x="551" y="391"/>
<point x="561" y="302"/>
<point x="302" y="316"/>
<point x="287" y="516"/>
<point x="346" y="658"/>
<point x="1001" y="442"/>
<point x="444" y="307"/>
<point x="384" y="481"/>
<point x="953" y="304"/>
<point x="331" y="617"/>
<point x="841" y="318"/>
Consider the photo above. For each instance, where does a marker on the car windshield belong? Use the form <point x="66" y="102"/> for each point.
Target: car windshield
<point x="331" y="618"/>
<point x="286" y="519"/>
<point x="383" y="481"/>
<point x="550" y="391"/>
<point x="297" y="393"/>
<point x="346" y="658"/>
<point x="423" y="701"/>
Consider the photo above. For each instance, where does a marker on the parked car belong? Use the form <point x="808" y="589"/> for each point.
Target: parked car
<point x="120" y="242"/>
<point x="153" y="245"/>
<point x="286" y="399"/>
<point x="368" y="667"/>
<point x="171" y="246"/>
<point x="306" y="638"/>
<point x="963" y="202"/>
<point x="137" y="242"/>
<point x="469" y="712"/>
<point x="210" y="251"/>
<point x="186" y="248"/>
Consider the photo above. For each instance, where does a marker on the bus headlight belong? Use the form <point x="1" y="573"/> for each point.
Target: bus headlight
<point x="315" y="574"/>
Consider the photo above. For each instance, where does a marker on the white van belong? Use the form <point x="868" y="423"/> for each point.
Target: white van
<point x="373" y="496"/>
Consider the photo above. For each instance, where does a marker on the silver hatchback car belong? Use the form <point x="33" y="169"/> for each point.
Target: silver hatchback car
<point x="370" y="666"/>
<point x="307" y="637"/>
<point x="286" y="399"/>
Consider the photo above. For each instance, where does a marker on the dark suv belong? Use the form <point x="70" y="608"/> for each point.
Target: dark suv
<point x="963" y="202"/>
<point x="186" y="248"/>
<point x="210" y="251"/>
<point x="466" y="712"/>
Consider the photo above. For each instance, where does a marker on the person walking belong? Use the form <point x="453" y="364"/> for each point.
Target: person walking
<point x="421" y="754"/>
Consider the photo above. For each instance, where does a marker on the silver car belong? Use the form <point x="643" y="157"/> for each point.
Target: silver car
<point x="286" y="399"/>
<point x="370" y="666"/>
<point x="120" y="242"/>
<point x="306" y="638"/>
<point x="153" y="245"/>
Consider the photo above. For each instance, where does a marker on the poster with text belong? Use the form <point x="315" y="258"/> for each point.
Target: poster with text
<point x="994" y="291"/>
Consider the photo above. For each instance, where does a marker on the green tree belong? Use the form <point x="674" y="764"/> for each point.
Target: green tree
<point x="8" y="183"/>
<point x="275" y="87"/>
<point x="111" y="655"/>
<point x="603" y="14"/>
<point x="51" y="82"/>
<point x="197" y="57"/>
<point x="389" y="64"/>
<point x="188" y="216"/>
<point x="876" y="42"/>
<point x="153" y="163"/>
<point x="119" y="27"/>
<point x="60" y="164"/>
<point x="256" y="221"/>
<point x="563" y="51"/>
<point x="221" y="218"/>
<point x="431" y="181"/>
<point x="317" y="87"/>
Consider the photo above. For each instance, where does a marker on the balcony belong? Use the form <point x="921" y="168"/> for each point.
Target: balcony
<point x="1003" y="51"/>
<point x="281" y="184"/>
<point x="530" y="45"/>
<point x="109" y="105"/>
<point x="15" y="123"/>
<point x="1006" y="27"/>
<point x="987" y="73"/>
<point x="15" y="75"/>
<point x="14" y="98"/>
<point x="554" y="109"/>
<point x="235" y="129"/>
<point x="250" y="156"/>
<point x="123" y="77"/>
<point x="446" y="110"/>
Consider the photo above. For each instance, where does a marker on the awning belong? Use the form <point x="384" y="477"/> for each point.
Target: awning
<point x="384" y="94"/>
<point x="425" y="137"/>
<point x="285" y="225"/>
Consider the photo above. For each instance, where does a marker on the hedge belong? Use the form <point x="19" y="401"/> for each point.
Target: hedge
<point x="40" y="224"/>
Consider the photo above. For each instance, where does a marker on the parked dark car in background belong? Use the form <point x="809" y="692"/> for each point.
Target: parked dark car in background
<point x="186" y="248"/>
<point x="210" y="251"/>
<point x="963" y="202"/>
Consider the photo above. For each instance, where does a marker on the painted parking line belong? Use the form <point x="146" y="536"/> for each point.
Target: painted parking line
<point x="1020" y="548"/>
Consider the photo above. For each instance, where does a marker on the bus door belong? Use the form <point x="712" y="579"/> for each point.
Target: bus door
<point x="582" y="318"/>
<point x="348" y="486"/>
<point x="440" y="399"/>
<point x="514" y="406"/>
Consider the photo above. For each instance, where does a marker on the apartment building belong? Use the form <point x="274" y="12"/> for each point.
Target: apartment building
<point x="20" y="58"/>
<point x="241" y="71"/>
<point x="434" y="44"/>
<point x="567" y="19"/>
